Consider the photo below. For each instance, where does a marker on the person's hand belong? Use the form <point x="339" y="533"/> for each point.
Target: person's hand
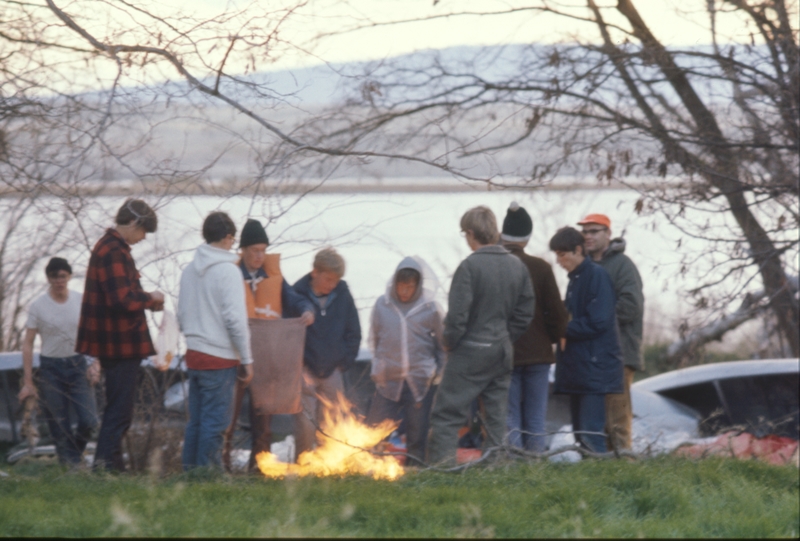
<point x="158" y="300"/>
<point x="307" y="318"/>
<point x="93" y="373"/>
<point x="28" y="389"/>
<point x="308" y="380"/>
<point x="563" y="343"/>
<point x="245" y="374"/>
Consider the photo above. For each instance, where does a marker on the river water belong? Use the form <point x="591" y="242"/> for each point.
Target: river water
<point x="374" y="231"/>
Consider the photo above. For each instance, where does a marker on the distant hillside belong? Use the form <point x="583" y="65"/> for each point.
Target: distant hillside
<point x="179" y="128"/>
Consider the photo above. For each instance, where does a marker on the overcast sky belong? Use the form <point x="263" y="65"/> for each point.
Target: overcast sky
<point x="677" y="22"/>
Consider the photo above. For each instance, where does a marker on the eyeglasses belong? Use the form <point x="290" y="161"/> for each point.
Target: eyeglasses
<point x="593" y="231"/>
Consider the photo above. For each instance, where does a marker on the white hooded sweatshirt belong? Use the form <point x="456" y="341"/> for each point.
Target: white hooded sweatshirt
<point x="211" y="306"/>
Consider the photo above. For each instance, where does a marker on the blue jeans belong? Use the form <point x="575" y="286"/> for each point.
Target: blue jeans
<point x="589" y="414"/>
<point x="527" y="406"/>
<point x="63" y="383"/>
<point x="210" y="411"/>
<point x="417" y="416"/>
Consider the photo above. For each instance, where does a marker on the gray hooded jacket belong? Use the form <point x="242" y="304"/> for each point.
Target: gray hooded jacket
<point x="630" y="301"/>
<point x="406" y="338"/>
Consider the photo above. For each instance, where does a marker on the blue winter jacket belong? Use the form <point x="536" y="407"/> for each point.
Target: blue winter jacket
<point x="591" y="363"/>
<point x="333" y="340"/>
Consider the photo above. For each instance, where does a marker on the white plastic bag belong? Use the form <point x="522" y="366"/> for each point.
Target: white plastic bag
<point x="167" y="341"/>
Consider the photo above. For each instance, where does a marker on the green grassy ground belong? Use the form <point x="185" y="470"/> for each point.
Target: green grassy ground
<point x="666" y="497"/>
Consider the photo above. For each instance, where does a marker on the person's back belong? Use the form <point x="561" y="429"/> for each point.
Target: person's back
<point x="533" y="351"/>
<point x="332" y="342"/>
<point x="206" y="311"/>
<point x="213" y="317"/>
<point x="550" y="319"/>
<point x="491" y="304"/>
<point x="483" y="301"/>
<point x="630" y="301"/>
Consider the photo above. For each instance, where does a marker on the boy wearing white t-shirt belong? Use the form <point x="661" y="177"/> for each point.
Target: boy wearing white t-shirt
<point x="63" y="375"/>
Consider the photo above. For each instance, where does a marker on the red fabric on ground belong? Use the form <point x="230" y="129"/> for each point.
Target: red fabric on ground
<point x="467" y="455"/>
<point x="771" y="449"/>
<point x="463" y="455"/>
<point x="389" y="448"/>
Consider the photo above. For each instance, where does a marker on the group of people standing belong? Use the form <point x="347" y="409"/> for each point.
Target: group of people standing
<point x="505" y="326"/>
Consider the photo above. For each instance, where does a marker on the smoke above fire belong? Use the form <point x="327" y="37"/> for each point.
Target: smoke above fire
<point x="344" y="447"/>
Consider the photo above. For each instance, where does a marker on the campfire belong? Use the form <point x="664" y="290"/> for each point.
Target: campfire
<point x="345" y="447"/>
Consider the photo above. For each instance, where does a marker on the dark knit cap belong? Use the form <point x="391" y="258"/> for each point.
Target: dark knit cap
<point x="56" y="265"/>
<point x="253" y="233"/>
<point x="518" y="226"/>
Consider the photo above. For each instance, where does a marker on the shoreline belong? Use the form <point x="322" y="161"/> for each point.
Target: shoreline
<point x="238" y="187"/>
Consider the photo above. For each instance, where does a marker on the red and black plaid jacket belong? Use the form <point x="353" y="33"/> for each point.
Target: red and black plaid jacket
<point x="113" y="324"/>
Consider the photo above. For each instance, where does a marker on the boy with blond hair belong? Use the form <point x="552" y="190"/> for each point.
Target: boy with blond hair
<point x="491" y="304"/>
<point x="332" y="341"/>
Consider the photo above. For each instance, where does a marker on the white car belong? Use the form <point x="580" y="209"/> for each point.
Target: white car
<point x="692" y="404"/>
<point x="760" y="397"/>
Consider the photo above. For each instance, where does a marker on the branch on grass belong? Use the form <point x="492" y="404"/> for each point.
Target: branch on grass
<point x="510" y="450"/>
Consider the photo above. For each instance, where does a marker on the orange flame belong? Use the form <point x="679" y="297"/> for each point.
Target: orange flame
<point x="342" y="449"/>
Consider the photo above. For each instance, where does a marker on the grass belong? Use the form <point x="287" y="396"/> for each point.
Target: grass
<point x="665" y="497"/>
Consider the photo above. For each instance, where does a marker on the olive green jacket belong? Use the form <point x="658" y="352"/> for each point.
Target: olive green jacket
<point x="630" y="301"/>
<point x="491" y="299"/>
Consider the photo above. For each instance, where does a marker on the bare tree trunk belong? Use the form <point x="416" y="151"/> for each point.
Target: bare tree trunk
<point x="724" y="175"/>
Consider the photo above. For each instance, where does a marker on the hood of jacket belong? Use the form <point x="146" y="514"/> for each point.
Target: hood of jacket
<point x="206" y="256"/>
<point x="426" y="289"/>
<point x="391" y="287"/>
<point x="616" y="246"/>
